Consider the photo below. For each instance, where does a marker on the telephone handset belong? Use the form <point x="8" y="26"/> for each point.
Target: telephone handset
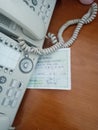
<point x="18" y="12"/>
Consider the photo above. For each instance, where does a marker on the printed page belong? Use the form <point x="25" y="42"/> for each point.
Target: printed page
<point x="53" y="71"/>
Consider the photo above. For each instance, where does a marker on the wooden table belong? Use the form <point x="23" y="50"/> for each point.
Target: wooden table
<point x="67" y="110"/>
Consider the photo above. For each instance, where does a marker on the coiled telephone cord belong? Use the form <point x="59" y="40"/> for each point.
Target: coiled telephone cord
<point x="59" y="41"/>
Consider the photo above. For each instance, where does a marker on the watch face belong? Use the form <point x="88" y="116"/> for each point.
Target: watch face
<point x="26" y="65"/>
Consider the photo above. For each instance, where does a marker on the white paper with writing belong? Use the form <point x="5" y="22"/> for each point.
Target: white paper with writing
<point x="52" y="71"/>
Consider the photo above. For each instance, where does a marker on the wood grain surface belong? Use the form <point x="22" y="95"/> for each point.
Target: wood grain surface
<point x="67" y="110"/>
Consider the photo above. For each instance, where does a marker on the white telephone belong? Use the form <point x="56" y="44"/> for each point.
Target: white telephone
<point x="28" y="19"/>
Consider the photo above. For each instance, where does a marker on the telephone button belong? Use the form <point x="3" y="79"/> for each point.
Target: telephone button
<point x="34" y="2"/>
<point x="17" y="94"/>
<point x="2" y="79"/>
<point x="5" y="102"/>
<point x="42" y="8"/>
<point x="26" y="65"/>
<point x="20" y="85"/>
<point x="47" y="13"/>
<point x="45" y="20"/>
<point x="14" y="103"/>
<point x="1" y="89"/>
<point x="10" y="92"/>
<point x="6" y="70"/>
<point x="1" y="67"/>
<point x="14" y="83"/>
<point x="1" y="39"/>
<point x="48" y="7"/>
<point x="11" y="71"/>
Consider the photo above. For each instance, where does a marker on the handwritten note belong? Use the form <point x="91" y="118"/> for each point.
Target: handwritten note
<point x="52" y="71"/>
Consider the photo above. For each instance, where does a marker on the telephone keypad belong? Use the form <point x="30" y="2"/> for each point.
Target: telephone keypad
<point x="42" y="8"/>
<point x="12" y="94"/>
<point x="45" y="11"/>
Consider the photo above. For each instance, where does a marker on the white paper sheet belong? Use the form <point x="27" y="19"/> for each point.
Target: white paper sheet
<point x="52" y="71"/>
